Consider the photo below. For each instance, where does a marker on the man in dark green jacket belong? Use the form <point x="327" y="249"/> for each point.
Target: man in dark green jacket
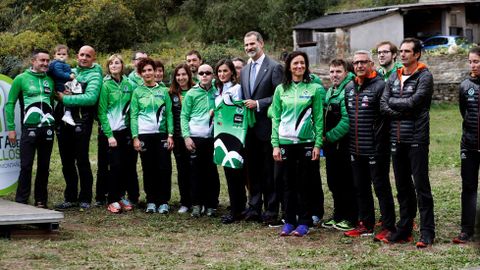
<point x="33" y="88"/>
<point x="74" y="141"/>
<point x="337" y="154"/>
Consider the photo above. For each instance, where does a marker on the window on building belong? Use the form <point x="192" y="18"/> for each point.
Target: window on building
<point x="453" y="19"/>
<point x="456" y="31"/>
<point x="304" y="38"/>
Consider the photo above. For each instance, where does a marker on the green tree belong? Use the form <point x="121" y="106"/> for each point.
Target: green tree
<point x="106" y="25"/>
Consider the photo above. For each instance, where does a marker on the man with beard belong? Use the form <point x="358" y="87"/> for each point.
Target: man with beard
<point x="194" y="60"/>
<point x="387" y="58"/>
<point x="259" y="79"/>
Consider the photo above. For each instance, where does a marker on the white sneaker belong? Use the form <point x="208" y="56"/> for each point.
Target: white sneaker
<point x="183" y="210"/>
<point x="67" y="118"/>
<point x="163" y="209"/>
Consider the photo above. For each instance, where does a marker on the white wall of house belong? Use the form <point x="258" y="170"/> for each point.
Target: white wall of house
<point x="365" y="36"/>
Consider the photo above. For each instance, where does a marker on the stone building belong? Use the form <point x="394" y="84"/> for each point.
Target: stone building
<point x="338" y="34"/>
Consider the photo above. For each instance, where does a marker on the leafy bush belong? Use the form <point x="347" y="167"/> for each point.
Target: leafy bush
<point x="215" y="52"/>
<point x="16" y="49"/>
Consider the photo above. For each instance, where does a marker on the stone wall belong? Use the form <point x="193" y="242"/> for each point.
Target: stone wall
<point x="448" y="72"/>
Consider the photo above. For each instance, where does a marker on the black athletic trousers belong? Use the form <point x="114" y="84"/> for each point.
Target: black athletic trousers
<point x="340" y="181"/>
<point x="157" y="167"/>
<point x="367" y="170"/>
<point x="182" y="160"/>
<point x="264" y="191"/>
<point x="33" y="139"/>
<point x="236" y="190"/>
<point x="296" y="172"/>
<point x="205" y="183"/>
<point x="74" y="145"/>
<point x="101" y="186"/>
<point x="121" y="160"/>
<point x="412" y="160"/>
<point x="469" y="170"/>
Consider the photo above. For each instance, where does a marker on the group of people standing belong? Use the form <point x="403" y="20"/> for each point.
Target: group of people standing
<point x="263" y="122"/>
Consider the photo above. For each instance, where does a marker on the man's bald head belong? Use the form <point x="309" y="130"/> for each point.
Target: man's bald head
<point x="86" y="56"/>
<point x="205" y="75"/>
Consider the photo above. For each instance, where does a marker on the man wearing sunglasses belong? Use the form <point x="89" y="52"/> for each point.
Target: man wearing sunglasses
<point x="387" y="58"/>
<point x="196" y="121"/>
<point x="406" y="99"/>
<point x="369" y="154"/>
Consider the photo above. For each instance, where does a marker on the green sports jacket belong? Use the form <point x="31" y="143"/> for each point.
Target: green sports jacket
<point x="196" y="118"/>
<point x="91" y="80"/>
<point x="114" y="105"/>
<point x="151" y="111"/>
<point x="35" y="92"/>
<point x="386" y="74"/>
<point x="135" y="78"/>
<point x="297" y="114"/>
<point x="336" y="126"/>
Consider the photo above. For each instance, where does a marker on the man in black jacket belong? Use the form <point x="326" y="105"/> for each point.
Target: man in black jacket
<point x="406" y="99"/>
<point x="469" y="100"/>
<point x="369" y="148"/>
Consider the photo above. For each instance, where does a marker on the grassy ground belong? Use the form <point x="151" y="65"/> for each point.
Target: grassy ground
<point x="99" y="240"/>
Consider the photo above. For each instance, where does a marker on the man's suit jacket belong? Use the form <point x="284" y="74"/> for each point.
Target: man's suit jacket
<point x="269" y="76"/>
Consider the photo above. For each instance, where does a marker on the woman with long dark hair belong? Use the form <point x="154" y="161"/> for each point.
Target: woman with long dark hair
<point x="297" y="125"/>
<point x="230" y="127"/>
<point x="181" y="82"/>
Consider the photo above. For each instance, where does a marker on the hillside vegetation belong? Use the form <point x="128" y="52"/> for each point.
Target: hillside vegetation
<point x="151" y="25"/>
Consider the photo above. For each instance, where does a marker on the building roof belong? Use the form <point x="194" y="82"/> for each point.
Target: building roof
<point x="339" y="20"/>
<point x="352" y="17"/>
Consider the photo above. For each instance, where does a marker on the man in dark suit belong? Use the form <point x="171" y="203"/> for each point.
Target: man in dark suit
<point x="259" y="79"/>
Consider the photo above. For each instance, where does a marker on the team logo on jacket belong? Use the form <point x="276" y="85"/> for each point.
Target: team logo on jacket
<point x="175" y="99"/>
<point x="351" y="92"/>
<point x="125" y="89"/>
<point x="305" y="95"/>
<point x="365" y="101"/>
<point x="471" y="91"/>
<point x="46" y="87"/>
<point x="239" y="110"/>
<point x="396" y="82"/>
<point x="463" y="156"/>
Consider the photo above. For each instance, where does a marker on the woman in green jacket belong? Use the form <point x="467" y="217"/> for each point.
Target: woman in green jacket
<point x="297" y="127"/>
<point x="113" y="114"/>
<point x="152" y="132"/>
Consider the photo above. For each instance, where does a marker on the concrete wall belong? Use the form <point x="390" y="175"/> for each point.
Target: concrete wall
<point x="367" y="35"/>
<point x="324" y="51"/>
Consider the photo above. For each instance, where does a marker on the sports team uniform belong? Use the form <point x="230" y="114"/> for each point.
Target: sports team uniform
<point x="152" y="122"/>
<point x="297" y="127"/>
<point x="35" y="92"/>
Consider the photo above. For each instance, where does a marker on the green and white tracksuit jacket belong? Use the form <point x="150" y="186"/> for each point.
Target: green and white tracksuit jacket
<point x="151" y="111"/>
<point x="92" y="78"/>
<point x="35" y="91"/>
<point x="297" y="114"/>
<point x="114" y="105"/>
<point x="196" y="117"/>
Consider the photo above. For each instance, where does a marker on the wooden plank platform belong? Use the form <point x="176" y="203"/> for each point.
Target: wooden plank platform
<point x="12" y="213"/>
